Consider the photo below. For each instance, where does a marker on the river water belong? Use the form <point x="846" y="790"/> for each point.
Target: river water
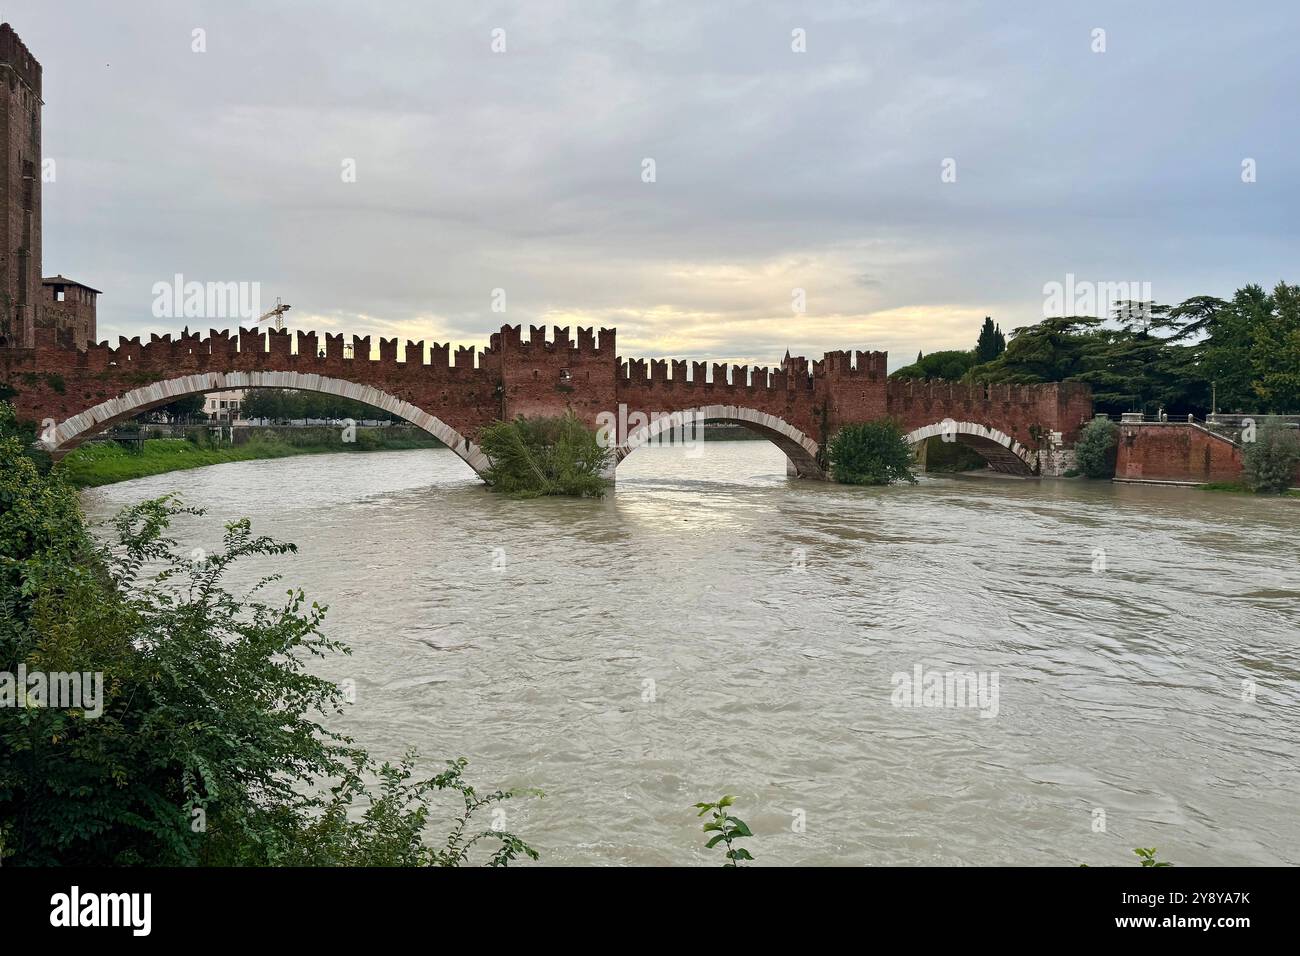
<point x="714" y="627"/>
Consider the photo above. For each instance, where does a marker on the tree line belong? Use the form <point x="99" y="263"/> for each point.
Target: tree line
<point x="1231" y="355"/>
<point x="276" y="404"/>
<point x="286" y="405"/>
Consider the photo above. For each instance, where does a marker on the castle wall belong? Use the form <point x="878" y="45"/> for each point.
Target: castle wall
<point x="541" y="377"/>
<point x="1027" y="413"/>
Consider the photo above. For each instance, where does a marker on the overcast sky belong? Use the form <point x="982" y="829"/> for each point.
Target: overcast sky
<point x="775" y="170"/>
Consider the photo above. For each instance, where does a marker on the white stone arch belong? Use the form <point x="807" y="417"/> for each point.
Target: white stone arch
<point x="800" y="450"/>
<point x="1003" y="452"/>
<point x="72" y="432"/>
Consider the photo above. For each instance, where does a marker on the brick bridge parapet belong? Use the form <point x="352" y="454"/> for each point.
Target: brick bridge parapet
<point x="75" y="394"/>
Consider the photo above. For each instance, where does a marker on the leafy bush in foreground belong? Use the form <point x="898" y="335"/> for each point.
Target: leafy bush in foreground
<point x="208" y="749"/>
<point x="871" y="453"/>
<point x="532" y="457"/>
<point x="25" y="433"/>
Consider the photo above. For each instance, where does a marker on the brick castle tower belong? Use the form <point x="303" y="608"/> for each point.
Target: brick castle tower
<point x="32" y="310"/>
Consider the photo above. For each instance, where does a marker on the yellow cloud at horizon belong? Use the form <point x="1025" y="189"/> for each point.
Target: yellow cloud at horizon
<point x="667" y="332"/>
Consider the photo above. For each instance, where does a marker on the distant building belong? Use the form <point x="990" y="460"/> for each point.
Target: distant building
<point x="223" y="406"/>
<point x="29" y="314"/>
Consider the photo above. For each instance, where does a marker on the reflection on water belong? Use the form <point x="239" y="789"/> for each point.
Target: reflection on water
<point x="716" y="627"/>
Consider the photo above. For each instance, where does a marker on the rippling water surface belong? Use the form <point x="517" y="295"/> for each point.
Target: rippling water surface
<point x="767" y="616"/>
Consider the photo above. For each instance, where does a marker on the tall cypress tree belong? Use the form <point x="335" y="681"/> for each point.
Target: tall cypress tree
<point x="991" y="344"/>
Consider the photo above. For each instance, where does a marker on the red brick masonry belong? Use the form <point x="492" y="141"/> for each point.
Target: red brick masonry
<point x="80" y="393"/>
<point x="1183" y="452"/>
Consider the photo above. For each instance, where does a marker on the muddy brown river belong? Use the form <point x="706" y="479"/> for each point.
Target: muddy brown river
<point x="968" y="671"/>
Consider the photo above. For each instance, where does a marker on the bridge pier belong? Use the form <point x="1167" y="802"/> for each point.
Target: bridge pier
<point x="807" y="470"/>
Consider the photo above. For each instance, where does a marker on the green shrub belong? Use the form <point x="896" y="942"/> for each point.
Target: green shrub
<point x="871" y="453"/>
<point x="726" y="829"/>
<point x="24" y="432"/>
<point x="209" y="747"/>
<point x="1148" y="856"/>
<point x="532" y="457"/>
<point x="1096" y="448"/>
<point x="1270" y="460"/>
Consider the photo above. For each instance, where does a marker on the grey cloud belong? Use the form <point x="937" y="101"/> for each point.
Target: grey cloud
<point x="522" y="170"/>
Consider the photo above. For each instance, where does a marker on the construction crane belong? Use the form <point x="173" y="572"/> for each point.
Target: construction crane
<point x="277" y="314"/>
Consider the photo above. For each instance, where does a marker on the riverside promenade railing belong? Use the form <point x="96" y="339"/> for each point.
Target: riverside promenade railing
<point x="1233" y="422"/>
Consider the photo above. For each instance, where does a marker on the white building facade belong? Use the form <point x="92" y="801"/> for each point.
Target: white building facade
<point x="224" y="406"/>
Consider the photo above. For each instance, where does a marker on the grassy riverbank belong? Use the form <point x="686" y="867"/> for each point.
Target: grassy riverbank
<point x="107" y="462"/>
<point x="1240" y="488"/>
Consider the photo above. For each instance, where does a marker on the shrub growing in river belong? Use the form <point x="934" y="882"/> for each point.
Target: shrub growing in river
<point x="871" y="453"/>
<point x="1148" y="856"/>
<point x="532" y="457"/>
<point x="1269" y="462"/>
<point x="207" y="748"/>
<point x="726" y="829"/>
<point x="1095" y="450"/>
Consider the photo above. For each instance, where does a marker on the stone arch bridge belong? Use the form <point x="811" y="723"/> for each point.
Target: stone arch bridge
<point x="75" y="394"/>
